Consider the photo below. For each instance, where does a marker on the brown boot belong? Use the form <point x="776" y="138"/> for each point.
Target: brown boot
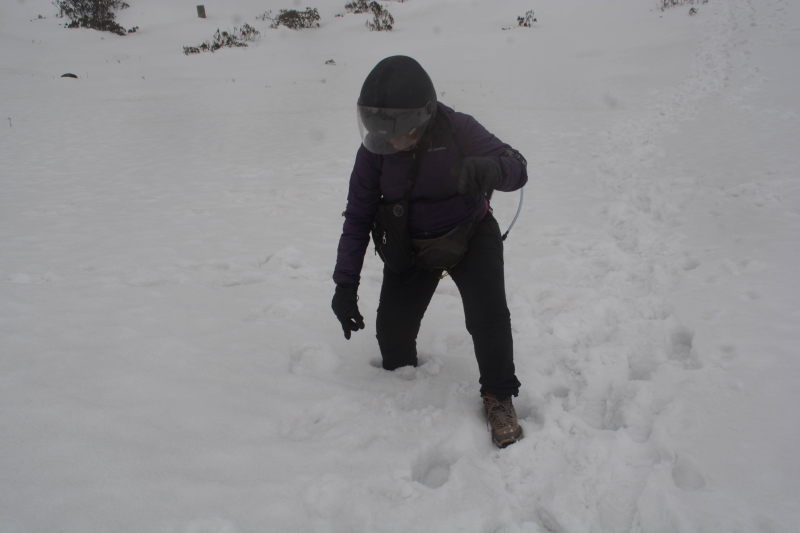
<point x="502" y="419"/>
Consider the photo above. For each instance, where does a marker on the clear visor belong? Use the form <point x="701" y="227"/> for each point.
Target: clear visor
<point x="388" y="131"/>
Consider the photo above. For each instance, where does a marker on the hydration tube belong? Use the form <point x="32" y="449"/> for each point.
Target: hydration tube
<point x="516" y="216"/>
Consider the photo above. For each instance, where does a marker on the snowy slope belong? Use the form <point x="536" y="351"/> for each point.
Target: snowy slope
<point x="168" y="225"/>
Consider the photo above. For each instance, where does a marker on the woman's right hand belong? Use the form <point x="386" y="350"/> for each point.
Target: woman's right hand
<point x="345" y="307"/>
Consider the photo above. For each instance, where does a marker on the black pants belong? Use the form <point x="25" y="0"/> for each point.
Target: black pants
<point x="480" y="280"/>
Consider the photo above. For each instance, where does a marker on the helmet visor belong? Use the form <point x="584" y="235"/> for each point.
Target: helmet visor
<point x="388" y="131"/>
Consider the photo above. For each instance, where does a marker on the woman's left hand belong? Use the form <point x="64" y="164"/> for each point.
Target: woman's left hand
<point x="479" y="175"/>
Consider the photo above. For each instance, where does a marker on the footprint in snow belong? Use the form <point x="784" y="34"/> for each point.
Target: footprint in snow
<point x="432" y="469"/>
<point x="641" y="366"/>
<point x="686" y="475"/>
<point x="681" y="346"/>
<point x="548" y="521"/>
<point x="690" y="263"/>
<point x="313" y="359"/>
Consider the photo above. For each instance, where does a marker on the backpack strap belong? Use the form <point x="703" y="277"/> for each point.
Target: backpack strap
<point x="413" y="172"/>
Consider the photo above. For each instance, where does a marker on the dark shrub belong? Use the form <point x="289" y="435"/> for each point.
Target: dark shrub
<point x="666" y="4"/>
<point x="237" y="38"/>
<point x="526" y="21"/>
<point x="293" y="19"/>
<point x="357" y="6"/>
<point x="382" y="20"/>
<point x="94" y="14"/>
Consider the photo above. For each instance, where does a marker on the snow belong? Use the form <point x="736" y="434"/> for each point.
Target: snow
<point x="168" y="224"/>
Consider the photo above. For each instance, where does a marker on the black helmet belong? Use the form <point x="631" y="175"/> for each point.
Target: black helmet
<point x="396" y="104"/>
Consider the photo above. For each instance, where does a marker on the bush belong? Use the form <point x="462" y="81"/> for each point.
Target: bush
<point x="237" y="38"/>
<point x="293" y="19"/>
<point x="357" y="6"/>
<point x="382" y="20"/>
<point x="94" y="14"/>
<point x="526" y="21"/>
<point x="666" y="4"/>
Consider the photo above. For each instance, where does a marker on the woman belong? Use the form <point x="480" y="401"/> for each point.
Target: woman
<point x="439" y="167"/>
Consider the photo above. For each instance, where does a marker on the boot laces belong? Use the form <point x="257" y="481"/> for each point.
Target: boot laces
<point x="499" y="412"/>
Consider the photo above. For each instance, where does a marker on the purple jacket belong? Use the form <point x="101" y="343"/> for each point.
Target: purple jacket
<point x="435" y="206"/>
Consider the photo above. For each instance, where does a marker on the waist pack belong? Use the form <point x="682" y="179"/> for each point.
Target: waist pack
<point x="399" y="252"/>
<point x="446" y="251"/>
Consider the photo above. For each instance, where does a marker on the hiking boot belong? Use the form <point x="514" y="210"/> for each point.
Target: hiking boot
<point x="502" y="420"/>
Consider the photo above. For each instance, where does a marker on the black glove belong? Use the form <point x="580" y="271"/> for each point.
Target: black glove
<point x="479" y="175"/>
<point x="345" y="307"/>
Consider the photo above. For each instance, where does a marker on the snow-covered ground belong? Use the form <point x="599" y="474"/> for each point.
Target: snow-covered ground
<point x="168" y="224"/>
